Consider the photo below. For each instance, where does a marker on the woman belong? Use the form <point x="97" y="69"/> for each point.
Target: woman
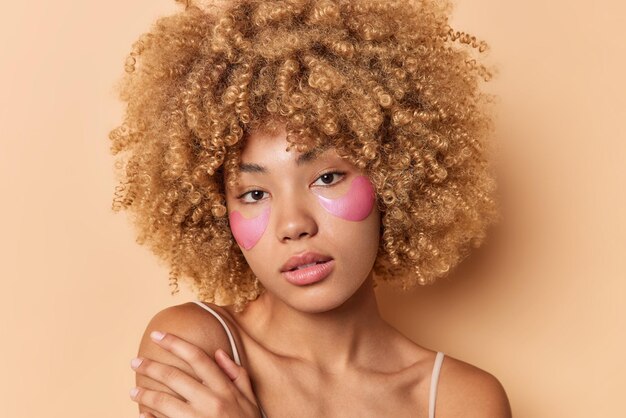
<point x="286" y="157"/>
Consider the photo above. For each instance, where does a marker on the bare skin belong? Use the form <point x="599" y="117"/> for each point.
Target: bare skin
<point x="322" y="349"/>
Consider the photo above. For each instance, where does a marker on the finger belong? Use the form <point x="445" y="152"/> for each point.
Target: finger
<point x="161" y="402"/>
<point x="203" y="366"/>
<point x="171" y="376"/>
<point x="238" y="374"/>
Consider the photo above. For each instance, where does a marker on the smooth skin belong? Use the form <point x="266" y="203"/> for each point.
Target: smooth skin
<point x="320" y="350"/>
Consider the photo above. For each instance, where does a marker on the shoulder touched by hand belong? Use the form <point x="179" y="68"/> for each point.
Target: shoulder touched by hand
<point x="189" y="322"/>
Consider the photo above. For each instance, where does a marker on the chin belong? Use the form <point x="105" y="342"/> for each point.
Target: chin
<point x="318" y="300"/>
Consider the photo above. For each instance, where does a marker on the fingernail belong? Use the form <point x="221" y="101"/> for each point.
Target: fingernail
<point x="142" y="415"/>
<point x="134" y="392"/>
<point x="156" y="335"/>
<point x="224" y="354"/>
<point x="134" y="363"/>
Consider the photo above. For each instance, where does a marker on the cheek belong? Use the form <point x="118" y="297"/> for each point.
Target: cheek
<point x="355" y="205"/>
<point x="248" y="232"/>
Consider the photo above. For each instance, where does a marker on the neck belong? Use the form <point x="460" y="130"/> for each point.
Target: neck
<point x="348" y="336"/>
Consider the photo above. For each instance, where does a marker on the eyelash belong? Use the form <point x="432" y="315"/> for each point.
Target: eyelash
<point x="340" y="173"/>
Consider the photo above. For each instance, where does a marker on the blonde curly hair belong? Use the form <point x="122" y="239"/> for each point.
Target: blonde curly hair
<point x="387" y="83"/>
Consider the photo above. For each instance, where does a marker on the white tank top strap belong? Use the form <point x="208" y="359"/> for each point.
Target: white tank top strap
<point x="433" y="384"/>
<point x="230" y="338"/>
<point x="230" y="335"/>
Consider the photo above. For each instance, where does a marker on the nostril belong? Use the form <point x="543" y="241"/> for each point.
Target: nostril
<point x="296" y="229"/>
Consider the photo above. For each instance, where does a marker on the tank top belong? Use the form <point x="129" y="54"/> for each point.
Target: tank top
<point x="434" y="379"/>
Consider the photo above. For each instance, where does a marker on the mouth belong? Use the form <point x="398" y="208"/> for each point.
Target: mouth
<point x="304" y="260"/>
<point x="307" y="267"/>
<point x="304" y="266"/>
<point x="310" y="273"/>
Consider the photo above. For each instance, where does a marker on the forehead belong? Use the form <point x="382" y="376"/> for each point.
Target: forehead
<point x="263" y="150"/>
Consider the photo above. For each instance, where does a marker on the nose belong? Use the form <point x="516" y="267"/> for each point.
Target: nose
<point x="295" y="220"/>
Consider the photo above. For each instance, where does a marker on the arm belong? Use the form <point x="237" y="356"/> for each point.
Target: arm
<point x="189" y="322"/>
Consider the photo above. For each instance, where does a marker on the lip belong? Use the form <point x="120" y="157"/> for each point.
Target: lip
<point x="309" y="275"/>
<point x="307" y="257"/>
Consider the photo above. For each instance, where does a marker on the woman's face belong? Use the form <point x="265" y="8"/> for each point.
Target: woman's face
<point x="291" y="203"/>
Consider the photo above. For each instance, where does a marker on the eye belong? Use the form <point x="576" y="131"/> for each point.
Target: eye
<point x="256" y="196"/>
<point x="327" y="178"/>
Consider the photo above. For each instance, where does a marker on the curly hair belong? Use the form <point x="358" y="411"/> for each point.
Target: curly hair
<point x="387" y="83"/>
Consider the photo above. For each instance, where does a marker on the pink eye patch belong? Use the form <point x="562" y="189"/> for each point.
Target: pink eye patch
<point x="355" y="205"/>
<point x="248" y="232"/>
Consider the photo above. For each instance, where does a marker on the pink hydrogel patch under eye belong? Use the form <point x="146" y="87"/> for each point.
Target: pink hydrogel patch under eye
<point x="355" y="205"/>
<point x="248" y="232"/>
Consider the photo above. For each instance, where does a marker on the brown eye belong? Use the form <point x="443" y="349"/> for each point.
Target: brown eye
<point x="256" y="195"/>
<point x="327" y="178"/>
<point x="330" y="178"/>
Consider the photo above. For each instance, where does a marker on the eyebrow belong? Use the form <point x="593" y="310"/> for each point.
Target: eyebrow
<point x="302" y="159"/>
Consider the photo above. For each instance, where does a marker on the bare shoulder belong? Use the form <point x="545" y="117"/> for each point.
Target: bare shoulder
<point x="466" y="391"/>
<point x="191" y="323"/>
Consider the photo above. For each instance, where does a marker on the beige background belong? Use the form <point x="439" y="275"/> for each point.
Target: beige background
<point x="541" y="306"/>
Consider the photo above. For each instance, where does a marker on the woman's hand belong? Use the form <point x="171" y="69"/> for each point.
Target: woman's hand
<point x="225" y="390"/>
